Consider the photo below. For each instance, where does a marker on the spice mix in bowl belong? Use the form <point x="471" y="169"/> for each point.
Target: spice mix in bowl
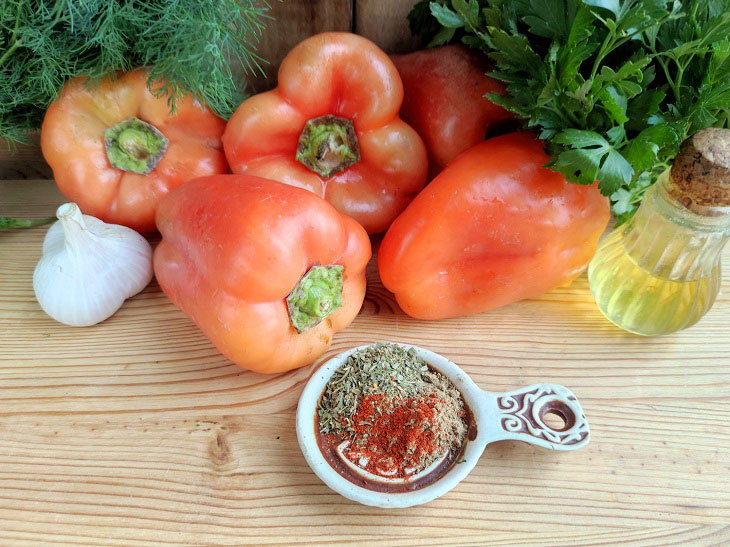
<point x="386" y="412"/>
<point x="394" y="425"/>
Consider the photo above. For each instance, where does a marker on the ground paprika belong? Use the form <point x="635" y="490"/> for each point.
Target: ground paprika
<point x="393" y="435"/>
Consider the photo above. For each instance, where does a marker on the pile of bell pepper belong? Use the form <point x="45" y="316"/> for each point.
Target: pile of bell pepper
<point x="269" y="260"/>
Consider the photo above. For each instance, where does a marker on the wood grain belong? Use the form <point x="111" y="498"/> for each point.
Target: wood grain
<point x="138" y="432"/>
<point x="385" y="23"/>
<point x="23" y="161"/>
<point x="293" y="21"/>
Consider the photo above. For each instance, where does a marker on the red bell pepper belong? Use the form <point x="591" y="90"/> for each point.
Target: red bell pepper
<point x="332" y="127"/>
<point x="268" y="271"/>
<point x="115" y="148"/>
<point x="444" y="100"/>
<point x="492" y="228"/>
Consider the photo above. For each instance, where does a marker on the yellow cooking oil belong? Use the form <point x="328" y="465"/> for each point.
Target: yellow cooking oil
<point x="642" y="301"/>
<point x="660" y="272"/>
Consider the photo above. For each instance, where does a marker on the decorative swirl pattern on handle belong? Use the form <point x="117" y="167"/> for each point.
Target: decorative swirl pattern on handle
<point x="522" y="412"/>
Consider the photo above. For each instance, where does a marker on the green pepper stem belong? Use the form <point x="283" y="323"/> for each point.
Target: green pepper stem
<point x="328" y="145"/>
<point x="8" y="222"/>
<point x="317" y="294"/>
<point x="135" y="146"/>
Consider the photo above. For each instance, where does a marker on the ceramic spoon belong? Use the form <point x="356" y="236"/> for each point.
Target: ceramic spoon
<point x="516" y="415"/>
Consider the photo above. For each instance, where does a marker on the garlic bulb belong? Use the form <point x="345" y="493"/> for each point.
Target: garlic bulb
<point x="89" y="268"/>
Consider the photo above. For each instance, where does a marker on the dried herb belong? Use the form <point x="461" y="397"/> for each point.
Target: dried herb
<point x="381" y="368"/>
<point x="398" y="415"/>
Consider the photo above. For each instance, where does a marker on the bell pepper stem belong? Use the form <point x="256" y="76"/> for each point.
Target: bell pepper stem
<point x="328" y="145"/>
<point x="135" y="146"/>
<point x="8" y="222"/>
<point x="317" y="294"/>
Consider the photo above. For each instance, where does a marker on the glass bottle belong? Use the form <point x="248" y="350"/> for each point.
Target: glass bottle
<point x="660" y="272"/>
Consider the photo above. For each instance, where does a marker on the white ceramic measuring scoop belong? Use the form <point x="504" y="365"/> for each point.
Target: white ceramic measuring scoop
<point x="516" y="415"/>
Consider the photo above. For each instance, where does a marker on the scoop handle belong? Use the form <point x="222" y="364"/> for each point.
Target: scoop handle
<point x="519" y="415"/>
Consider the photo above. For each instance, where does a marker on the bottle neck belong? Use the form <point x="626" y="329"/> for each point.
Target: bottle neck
<point x="672" y="242"/>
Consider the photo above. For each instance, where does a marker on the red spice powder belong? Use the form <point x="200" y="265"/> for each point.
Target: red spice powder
<point x="393" y="435"/>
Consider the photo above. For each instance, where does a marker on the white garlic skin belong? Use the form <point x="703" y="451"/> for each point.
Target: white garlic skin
<point x="89" y="268"/>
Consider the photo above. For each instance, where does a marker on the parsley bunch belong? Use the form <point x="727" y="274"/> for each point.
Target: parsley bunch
<point x="612" y="86"/>
<point x="191" y="45"/>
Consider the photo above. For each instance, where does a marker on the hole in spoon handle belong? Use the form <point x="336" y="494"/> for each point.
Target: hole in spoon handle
<point x="522" y="414"/>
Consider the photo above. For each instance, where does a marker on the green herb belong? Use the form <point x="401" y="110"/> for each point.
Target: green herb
<point x="190" y="46"/>
<point x="612" y="86"/>
<point x="7" y="222"/>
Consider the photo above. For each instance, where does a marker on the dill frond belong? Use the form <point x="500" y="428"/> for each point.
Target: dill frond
<point x="189" y="46"/>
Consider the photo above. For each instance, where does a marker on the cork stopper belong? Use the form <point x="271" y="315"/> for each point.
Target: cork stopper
<point x="700" y="175"/>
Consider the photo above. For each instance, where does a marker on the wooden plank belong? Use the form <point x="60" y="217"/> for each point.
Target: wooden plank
<point x="138" y="432"/>
<point x="385" y="23"/>
<point x="293" y="21"/>
<point x="23" y="161"/>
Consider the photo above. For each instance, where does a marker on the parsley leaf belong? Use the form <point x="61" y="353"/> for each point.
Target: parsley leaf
<point x="612" y="86"/>
<point x="591" y="158"/>
<point x="446" y="17"/>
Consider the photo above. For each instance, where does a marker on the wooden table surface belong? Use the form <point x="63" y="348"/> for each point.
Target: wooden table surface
<point x="138" y="432"/>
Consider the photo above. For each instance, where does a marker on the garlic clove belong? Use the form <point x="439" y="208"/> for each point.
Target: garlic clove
<point x="89" y="268"/>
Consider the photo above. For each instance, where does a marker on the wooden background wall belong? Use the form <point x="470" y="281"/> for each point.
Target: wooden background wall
<point x="383" y="21"/>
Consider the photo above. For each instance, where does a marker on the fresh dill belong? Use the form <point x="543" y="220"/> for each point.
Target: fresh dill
<point x="189" y="46"/>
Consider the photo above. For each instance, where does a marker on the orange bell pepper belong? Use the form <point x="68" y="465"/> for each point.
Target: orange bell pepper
<point x="268" y="271"/>
<point x="115" y="149"/>
<point x="332" y="127"/>
<point x="492" y="228"/>
<point x="444" y="100"/>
